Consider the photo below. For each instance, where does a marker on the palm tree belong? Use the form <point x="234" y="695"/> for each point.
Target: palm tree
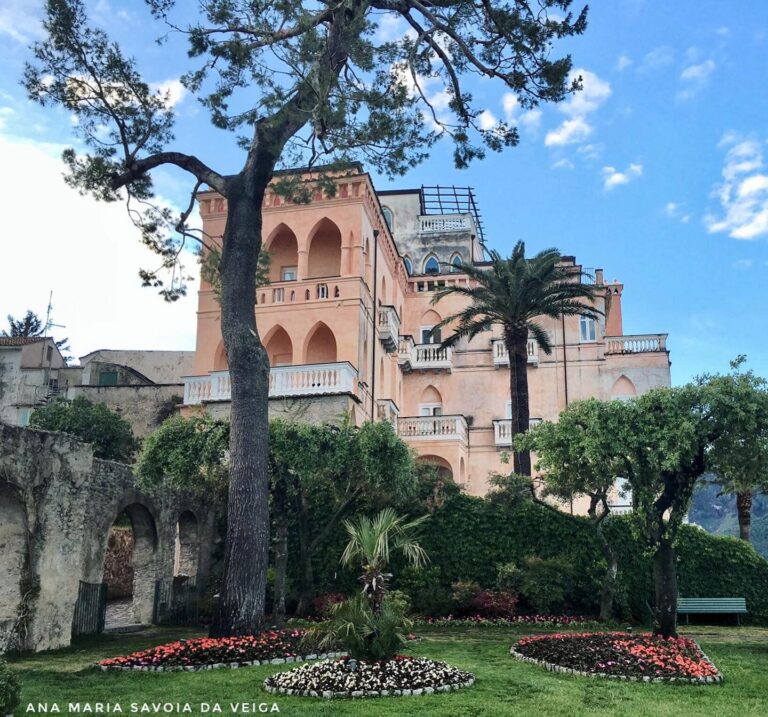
<point x="371" y="540"/>
<point x="515" y="293"/>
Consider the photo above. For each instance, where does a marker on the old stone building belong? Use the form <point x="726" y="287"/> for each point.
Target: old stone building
<point x="346" y="323"/>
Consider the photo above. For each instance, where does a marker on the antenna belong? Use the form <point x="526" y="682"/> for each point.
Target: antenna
<point x="48" y="320"/>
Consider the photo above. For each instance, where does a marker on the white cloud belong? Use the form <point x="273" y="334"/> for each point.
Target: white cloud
<point x="88" y="253"/>
<point x="591" y="151"/>
<point x="20" y="20"/>
<point x="676" y="211"/>
<point x="613" y="178"/>
<point x="569" y="132"/>
<point x="742" y="264"/>
<point x="578" y="107"/>
<point x="743" y="194"/>
<point x="487" y="120"/>
<point x="694" y="78"/>
<point x="511" y="105"/>
<point x="623" y="62"/>
<point x="390" y="27"/>
<point x="172" y="90"/>
<point x="656" y="59"/>
<point x="529" y="120"/>
<point x="563" y="164"/>
<point x="5" y="113"/>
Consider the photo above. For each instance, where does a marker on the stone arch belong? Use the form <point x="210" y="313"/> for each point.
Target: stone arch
<point x="408" y="265"/>
<point x="220" y="361"/>
<point x="388" y="217"/>
<point x="456" y="261"/>
<point x="283" y="248"/>
<point x="320" y="345"/>
<point x="430" y="318"/>
<point x="431" y="395"/>
<point x="279" y="347"/>
<point x="14" y="549"/>
<point x="431" y="265"/>
<point x="443" y="467"/>
<point x="187" y="550"/>
<point x="324" y="257"/>
<point x="623" y="389"/>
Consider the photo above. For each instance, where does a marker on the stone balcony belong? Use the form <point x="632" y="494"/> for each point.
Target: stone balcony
<point x="433" y="428"/>
<point x="387" y="410"/>
<point x="501" y="357"/>
<point x="502" y="431"/>
<point x="284" y="381"/>
<point x="423" y="357"/>
<point x="635" y="344"/>
<point x="446" y="223"/>
<point x="389" y="327"/>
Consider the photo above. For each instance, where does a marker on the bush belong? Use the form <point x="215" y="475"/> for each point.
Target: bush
<point x="365" y="633"/>
<point x="463" y="592"/>
<point x="546" y="584"/>
<point x="494" y="603"/>
<point x="424" y="587"/>
<point x="10" y="689"/>
<point x="509" y="577"/>
<point x="322" y="604"/>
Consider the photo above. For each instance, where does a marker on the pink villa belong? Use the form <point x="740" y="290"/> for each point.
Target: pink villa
<point x="346" y="319"/>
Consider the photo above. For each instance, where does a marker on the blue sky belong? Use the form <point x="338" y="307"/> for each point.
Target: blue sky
<point x="656" y="172"/>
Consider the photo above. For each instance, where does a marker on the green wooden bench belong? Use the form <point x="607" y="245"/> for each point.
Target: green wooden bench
<point x="712" y="606"/>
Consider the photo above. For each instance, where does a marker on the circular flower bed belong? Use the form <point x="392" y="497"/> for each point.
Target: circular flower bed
<point x="400" y="676"/>
<point x="205" y="653"/>
<point x="620" y="655"/>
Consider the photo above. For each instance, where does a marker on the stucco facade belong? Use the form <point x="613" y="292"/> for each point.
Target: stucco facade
<point x="347" y="313"/>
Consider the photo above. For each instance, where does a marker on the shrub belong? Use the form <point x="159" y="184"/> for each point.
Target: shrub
<point x="365" y="633"/>
<point x="322" y="604"/>
<point x="546" y="584"/>
<point x="9" y="689"/>
<point x="462" y="594"/>
<point x="424" y="587"/>
<point x="494" y="603"/>
<point x="509" y="577"/>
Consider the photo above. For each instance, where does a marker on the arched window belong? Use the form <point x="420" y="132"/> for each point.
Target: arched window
<point x="456" y="262"/>
<point x="388" y="217"/>
<point x="432" y="266"/>
<point x="408" y="265"/>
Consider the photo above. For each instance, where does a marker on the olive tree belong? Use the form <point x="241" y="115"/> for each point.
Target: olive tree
<point x="296" y="83"/>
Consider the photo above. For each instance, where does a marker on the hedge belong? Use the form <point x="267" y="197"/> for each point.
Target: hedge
<point x="468" y="536"/>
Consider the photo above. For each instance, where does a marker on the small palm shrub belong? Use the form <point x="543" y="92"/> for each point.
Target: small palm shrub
<point x="364" y="631"/>
<point x="9" y="689"/>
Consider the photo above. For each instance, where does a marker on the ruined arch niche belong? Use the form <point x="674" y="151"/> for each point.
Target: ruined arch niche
<point x="431" y="395"/>
<point x="623" y="389"/>
<point x="324" y="256"/>
<point x="320" y="346"/>
<point x="187" y="550"/>
<point x="442" y="466"/>
<point x="283" y="249"/>
<point x="13" y="548"/>
<point x="279" y="347"/>
<point x="220" y="362"/>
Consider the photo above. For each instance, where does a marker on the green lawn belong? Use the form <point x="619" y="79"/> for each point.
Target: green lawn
<point x="504" y="686"/>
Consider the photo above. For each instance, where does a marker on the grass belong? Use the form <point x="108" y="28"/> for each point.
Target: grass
<point x="504" y="686"/>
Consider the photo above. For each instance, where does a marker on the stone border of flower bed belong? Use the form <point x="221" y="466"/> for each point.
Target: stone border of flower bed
<point x="356" y="694"/>
<point x="552" y="667"/>
<point x="220" y="665"/>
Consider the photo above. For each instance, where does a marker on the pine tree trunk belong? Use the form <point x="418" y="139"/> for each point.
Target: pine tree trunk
<point x="517" y="350"/>
<point x="241" y="604"/>
<point x="665" y="576"/>
<point x="281" y="570"/>
<point x="306" y="574"/>
<point x="609" y="578"/>
<point x="744" y="510"/>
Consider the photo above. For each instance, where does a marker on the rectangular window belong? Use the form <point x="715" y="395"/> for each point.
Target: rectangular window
<point x="288" y="273"/>
<point x="430" y="338"/>
<point x="108" y="378"/>
<point x="430" y="409"/>
<point x="278" y="295"/>
<point x="587" y="329"/>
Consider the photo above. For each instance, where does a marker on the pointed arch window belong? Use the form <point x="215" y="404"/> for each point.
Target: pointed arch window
<point x="456" y="262"/>
<point x="408" y="265"/>
<point x="432" y="266"/>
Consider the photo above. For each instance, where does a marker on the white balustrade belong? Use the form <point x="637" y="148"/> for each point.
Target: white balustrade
<point x="502" y="430"/>
<point x="431" y="356"/>
<point x="433" y="428"/>
<point x="640" y="343"/>
<point x="437" y="223"/>
<point x="304" y="380"/>
<point x="501" y="356"/>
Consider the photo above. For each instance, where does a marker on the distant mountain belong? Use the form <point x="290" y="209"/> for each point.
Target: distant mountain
<point x="717" y="514"/>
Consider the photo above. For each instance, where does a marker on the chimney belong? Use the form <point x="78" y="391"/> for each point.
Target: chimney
<point x="613" y="322"/>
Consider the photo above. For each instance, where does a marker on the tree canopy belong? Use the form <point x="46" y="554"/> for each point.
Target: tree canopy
<point x="111" y="436"/>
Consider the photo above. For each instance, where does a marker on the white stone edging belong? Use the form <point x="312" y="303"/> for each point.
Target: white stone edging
<point x="356" y="694"/>
<point x="552" y="667"/>
<point x="221" y="665"/>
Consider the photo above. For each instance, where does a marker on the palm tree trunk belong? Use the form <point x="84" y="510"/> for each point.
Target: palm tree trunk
<point x="517" y="350"/>
<point x="744" y="510"/>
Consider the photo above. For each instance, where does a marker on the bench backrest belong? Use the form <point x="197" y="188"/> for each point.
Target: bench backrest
<point x="712" y="605"/>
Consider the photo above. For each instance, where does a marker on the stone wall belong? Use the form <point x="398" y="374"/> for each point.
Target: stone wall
<point x="57" y="505"/>
<point x="157" y="366"/>
<point x="144" y="407"/>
